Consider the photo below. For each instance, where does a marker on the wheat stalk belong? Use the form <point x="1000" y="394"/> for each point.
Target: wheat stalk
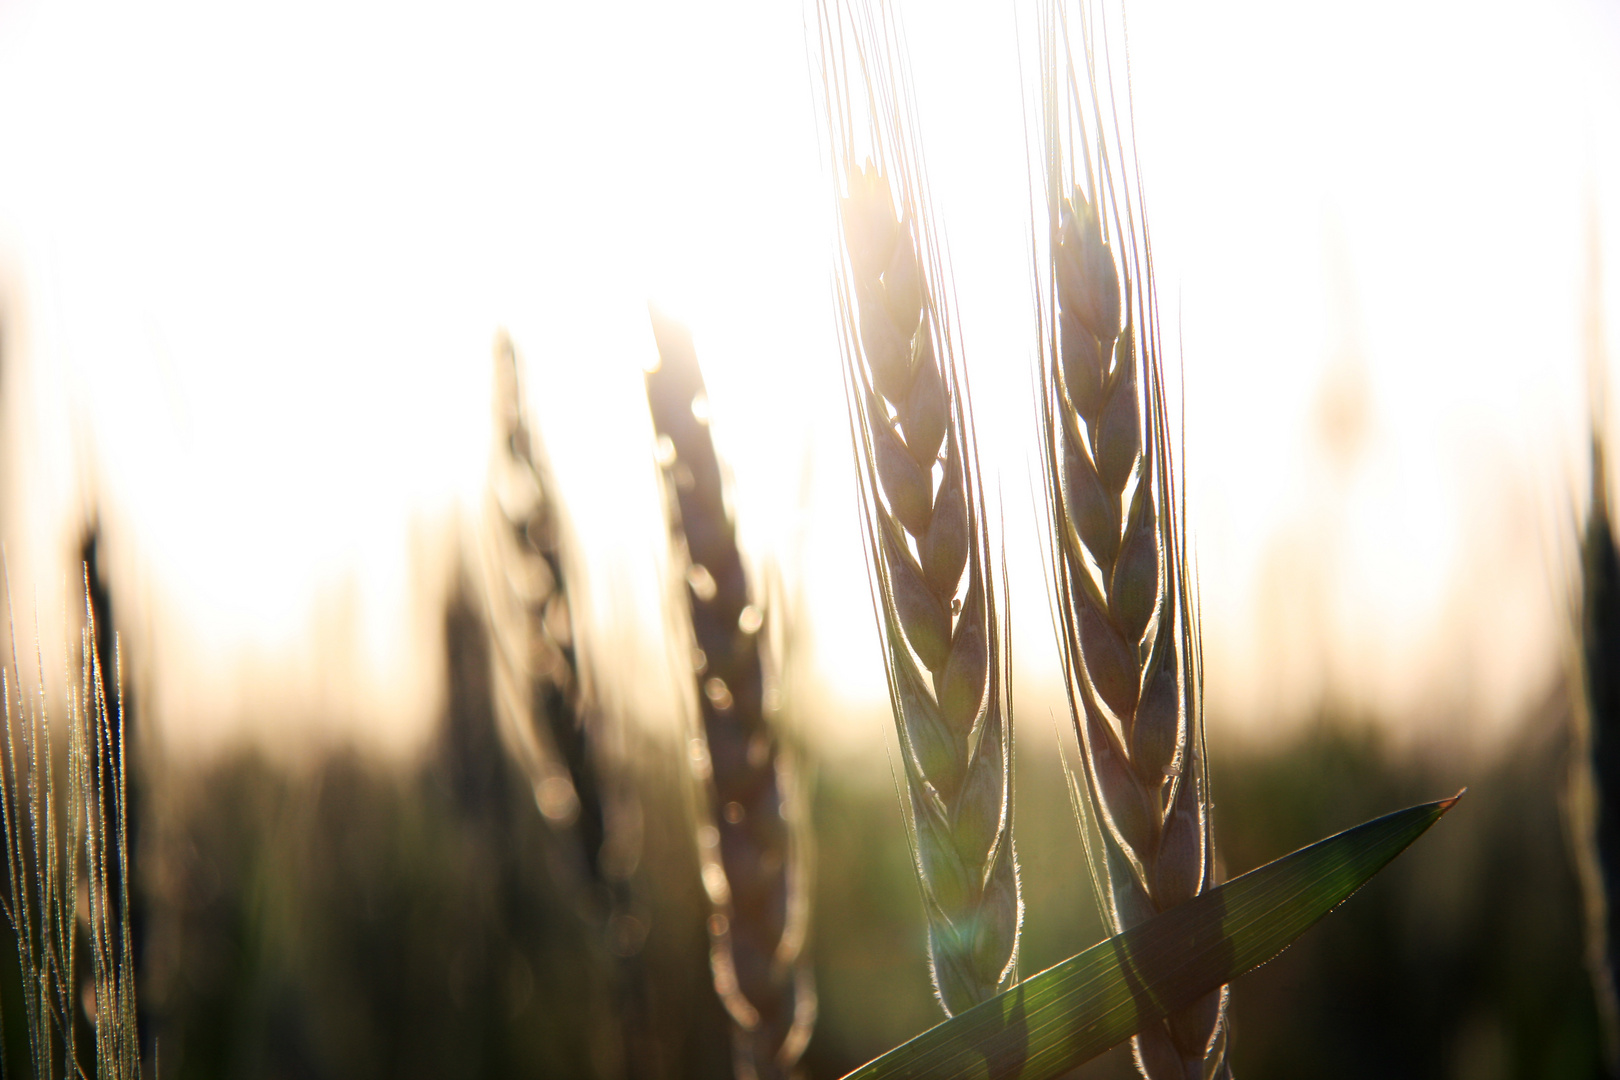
<point x="925" y="524"/>
<point x="1128" y="625"/>
<point x="752" y="868"/>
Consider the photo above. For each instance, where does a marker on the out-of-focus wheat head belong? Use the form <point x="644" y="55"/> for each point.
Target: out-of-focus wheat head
<point x="1594" y="792"/>
<point x="540" y="694"/>
<point x="1128" y="624"/>
<point x="1592" y="806"/>
<point x="923" y="502"/>
<point x="748" y="818"/>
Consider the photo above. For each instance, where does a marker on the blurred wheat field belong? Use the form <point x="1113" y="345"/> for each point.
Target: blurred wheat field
<point x="251" y="265"/>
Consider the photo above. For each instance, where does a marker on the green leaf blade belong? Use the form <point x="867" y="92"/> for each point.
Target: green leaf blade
<point x="1068" y="1014"/>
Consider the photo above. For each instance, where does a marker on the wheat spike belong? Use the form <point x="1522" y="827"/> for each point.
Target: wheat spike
<point x="1594" y="803"/>
<point x="752" y="870"/>
<point x="1129" y="632"/>
<point x="539" y="691"/>
<point x="926" y="532"/>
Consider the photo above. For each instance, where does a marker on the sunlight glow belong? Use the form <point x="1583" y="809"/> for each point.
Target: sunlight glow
<point x="252" y="264"/>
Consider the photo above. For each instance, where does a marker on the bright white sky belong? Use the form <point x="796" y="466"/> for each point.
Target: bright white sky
<point x="252" y="263"/>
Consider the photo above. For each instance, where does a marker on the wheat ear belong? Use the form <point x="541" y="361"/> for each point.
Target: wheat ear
<point x="1129" y="630"/>
<point x="1594" y="782"/>
<point x="926" y="532"/>
<point x="538" y="687"/>
<point x="746" y="832"/>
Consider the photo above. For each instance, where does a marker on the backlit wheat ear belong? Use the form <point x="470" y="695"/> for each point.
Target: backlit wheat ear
<point x="538" y="690"/>
<point x="752" y="869"/>
<point x="1594" y="780"/>
<point x="925" y="527"/>
<point x="1128" y="624"/>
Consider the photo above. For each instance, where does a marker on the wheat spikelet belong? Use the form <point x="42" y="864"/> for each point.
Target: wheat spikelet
<point x="538" y="686"/>
<point x="925" y="529"/>
<point x="1128" y="624"/>
<point x="752" y="870"/>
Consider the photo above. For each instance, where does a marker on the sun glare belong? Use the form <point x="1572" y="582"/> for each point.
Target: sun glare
<point x="253" y="263"/>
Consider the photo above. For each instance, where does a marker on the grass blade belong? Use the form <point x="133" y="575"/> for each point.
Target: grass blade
<point x="1072" y="1012"/>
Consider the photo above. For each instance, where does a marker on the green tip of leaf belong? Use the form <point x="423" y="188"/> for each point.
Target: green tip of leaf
<point x="1068" y="1014"/>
